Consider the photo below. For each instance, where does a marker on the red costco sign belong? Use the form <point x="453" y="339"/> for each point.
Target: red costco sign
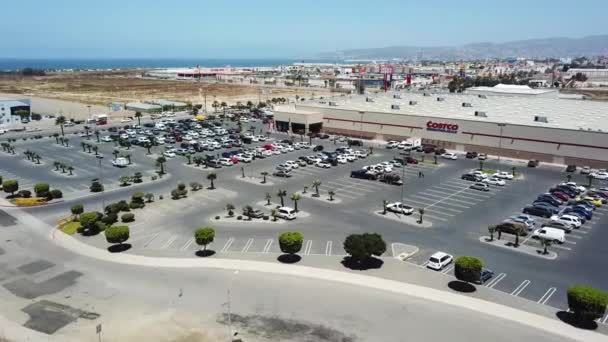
<point x="441" y="127"/>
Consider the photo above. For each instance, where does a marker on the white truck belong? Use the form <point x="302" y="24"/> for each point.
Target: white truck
<point x="120" y="162"/>
<point x="409" y="144"/>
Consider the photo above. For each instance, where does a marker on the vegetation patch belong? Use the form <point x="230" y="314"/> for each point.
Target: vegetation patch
<point x="71" y="227"/>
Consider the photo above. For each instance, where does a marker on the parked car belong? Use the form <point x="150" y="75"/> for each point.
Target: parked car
<point x="559" y="225"/>
<point x="120" y="162"/>
<point x="495" y="181"/>
<point x="503" y="175"/>
<point x="391" y="178"/>
<point x="579" y="209"/>
<point x="538" y="210"/>
<point x="398" y="207"/>
<point x="485" y="275"/>
<point x="471" y="155"/>
<point x="439" y="260"/>
<point x="482" y="156"/>
<point x="567" y="219"/>
<point x="527" y="220"/>
<point x="480" y="187"/>
<point x="363" y="174"/>
<point x="286" y="213"/>
<point x="449" y="155"/>
<point x="323" y="164"/>
<point x="169" y="154"/>
<point x="585" y="170"/>
<point x="411" y="160"/>
<point x="106" y="138"/>
<point x="533" y="163"/>
<point x="571" y="168"/>
<point x="282" y="173"/>
<point x="471" y="177"/>
<point x="552" y="234"/>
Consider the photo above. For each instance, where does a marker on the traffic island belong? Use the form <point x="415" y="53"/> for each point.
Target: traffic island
<point x="412" y="220"/>
<point x="521" y="248"/>
<point x="323" y="198"/>
<point x="402" y="251"/>
<point x="266" y="219"/>
<point x="255" y="180"/>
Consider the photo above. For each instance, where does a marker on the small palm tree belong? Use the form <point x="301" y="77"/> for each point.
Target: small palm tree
<point x="421" y="212"/>
<point x="211" y="177"/>
<point x="57" y="165"/>
<point x="331" y="194"/>
<point x="268" y="198"/>
<point x="589" y="180"/>
<point x="115" y="153"/>
<point x="316" y="184"/>
<point x="138" y="116"/>
<point x="518" y="231"/>
<point x="84" y="146"/>
<point x="274" y="213"/>
<point x="481" y="165"/>
<point x="546" y="244"/>
<point x="188" y="157"/>
<point x="96" y="149"/>
<point x="230" y="208"/>
<point x="295" y="197"/>
<point x="513" y="171"/>
<point x="149" y="197"/>
<point x="148" y="146"/>
<point x="281" y="194"/>
<point x="60" y="121"/>
<point x="71" y="168"/>
<point x="264" y="174"/>
<point x="384" y="206"/>
<point x="305" y="189"/>
<point x="66" y="141"/>
<point x="56" y="136"/>
<point x="248" y="211"/>
<point x="62" y="166"/>
<point x="160" y="162"/>
<point x="128" y="156"/>
<point x="491" y="230"/>
<point x="97" y="135"/>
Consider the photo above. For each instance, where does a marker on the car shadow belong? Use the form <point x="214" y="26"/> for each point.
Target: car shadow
<point x="119" y="248"/>
<point x="570" y="318"/>
<point x="204" y="253"/>
<point x="461" y="286"/>
<point x="362" y="265"/>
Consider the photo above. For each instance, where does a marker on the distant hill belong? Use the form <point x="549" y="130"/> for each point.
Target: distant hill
<point x="532" y="48"/>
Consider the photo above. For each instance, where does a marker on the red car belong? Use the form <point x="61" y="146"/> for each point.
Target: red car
<point x="269" y="147"/>
<point x="562" y="196"/>
<point x="411" y="160"/>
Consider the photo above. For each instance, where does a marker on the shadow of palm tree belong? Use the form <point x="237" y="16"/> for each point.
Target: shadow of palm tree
<point x="570" y="318"/>
<point x="119" y="248"/>
<point x="461" y="286"/>
<point x="205" y="253"/>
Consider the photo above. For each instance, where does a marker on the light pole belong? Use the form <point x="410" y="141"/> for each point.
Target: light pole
<point x="361" y="125"/>
<point x="403" y="178"/>
<point x="229" y="306"/>
<point x="89" y="106"/>
<point x="500" y="127"/>
<point x="103" y="202"/>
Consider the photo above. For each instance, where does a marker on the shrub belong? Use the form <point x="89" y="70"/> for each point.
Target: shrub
<point x="363" y="246"/>
<point x="128" y="217"/>
<point x="10" y="186"/>
<point x="87" y="221"/>
<point x="96" y="186"/>
<point x="77" y="209"/>
<point x="117" y="234"/>
<point x="181" y="186"/>
<point x="291" y="242"/>
<point x="468" y="269"/>
<point x="204" y="236"/>
<point x="123" y="205"/>
<point x="136" y="205"/>
<point x="217" y="217"/>
<point x="24" y="194"/>
<point x="154" y="178"/>
<point x="56" y="193"/>
<point x="239" y="217"/>
<point x="265" y="217"/>
<point x="138" y="197"/>
<point x="112" y="208"/>
<point x="100" y="226"/>
<point x="586" y="302"/>
<point x="110" y="219"/>
<point x="175" y="194"/>
<point x="41" y="188"/>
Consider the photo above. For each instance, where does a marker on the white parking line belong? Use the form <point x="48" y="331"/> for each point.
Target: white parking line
<point x="247" y="246"/>
<point x="435" y="217"/>
<point x="169" y="242"/>
<point x="570" y="242"/>
<point x="496" y="280"/>
<point x="605" y="319"/>
<point x="579" y="232"/>
<point x="152" y="239"/>
<point x="547" y="295"/>
<point x="444" y="203"/>
<point x="424" y="263"/>
<point x="574" y="237"/>
<point x="414" y="203"/>
<point x="520" y="288"/>
<point x="447" y="270"/>
<point x="227" y="245"/>
<point x="561" y="247"/>
<point x="307" y="247"/>
<point x="444" y="185"/>
<point x="328" y="247"/>
<point x="187" y="244"/>
<point x="452" y="199"/>
<point x="267" y="246"/>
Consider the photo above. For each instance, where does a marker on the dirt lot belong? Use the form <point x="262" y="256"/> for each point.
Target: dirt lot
<point x="102" y="88"/>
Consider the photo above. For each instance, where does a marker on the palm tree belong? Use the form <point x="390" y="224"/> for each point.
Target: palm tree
<point x="66" y="141"/>
<point x="331" y="194"/>
<point x="60" y="120"/>
<point x="37" y="156"/>
<point x="268" y="198"/>
<point x="138" y="116"/>
<point x="96" y="149"/>
<point x="84" y="146"/>
<point x="115" y="153"/>
<point x="89" y="146"/>
<point x="316" y="184"/>
<point x="56" y="136"/>
<point x="546" y="243"/>
<point x="70" y="168"/>
<point x="384" y="206"/>
<point x="264" y="174"/>
<point x="590" y="180"/>
<point x="57" y="165"/>
<point x="248" y="211"/>
<point x="215" y="105"/>
<point x="305" y="189"/>
<point x="421" y="212"/>
<point x="274" y="213"/>
<point x="211" y="177"/>
<point x="128" y="156"/>
<point x="148" y="146"/>
<point x="197" y="160"/>
<point x="62" y="166"/>
<point x="513" y="171"/>
<point x="188" y="157"/>
<point x="281" y="194"/>
<point x="435" y="159"/>
<point x="491" y="230"/>
<point x="160" y="162"/>
<point x="481" y="165"/>
<point x="86" y="131"/>
<point x="295" y="197"/>
<point x="97" y="135"/>
<point x="230" y="208"/>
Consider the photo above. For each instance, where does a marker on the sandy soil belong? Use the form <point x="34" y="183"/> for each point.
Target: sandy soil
<point x="103" y="88"/>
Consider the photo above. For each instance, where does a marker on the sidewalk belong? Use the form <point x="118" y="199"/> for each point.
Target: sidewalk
<point x="374" y="280"/>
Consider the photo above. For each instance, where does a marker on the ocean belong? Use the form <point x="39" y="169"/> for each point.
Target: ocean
<point x="10" y="64"/>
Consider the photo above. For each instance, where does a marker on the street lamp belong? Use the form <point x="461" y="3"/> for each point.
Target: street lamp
<point x="361" y="125"/>
<point x="500" y="126"/>
<point x="89" y="106"/>
<point x="103" y="202"/>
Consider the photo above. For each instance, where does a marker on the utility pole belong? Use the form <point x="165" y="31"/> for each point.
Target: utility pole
<point x="500" y="127"/>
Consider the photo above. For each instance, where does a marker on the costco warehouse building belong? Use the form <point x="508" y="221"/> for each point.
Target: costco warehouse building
<point x="547" y="128"/>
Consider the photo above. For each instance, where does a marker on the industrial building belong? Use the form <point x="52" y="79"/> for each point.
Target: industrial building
<point x="547" y="128"/>
<point x="9" y="109"/>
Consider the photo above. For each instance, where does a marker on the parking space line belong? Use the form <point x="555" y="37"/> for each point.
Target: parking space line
<point x="496" y="280"/>
<point x="267" y="246"/>
<point x="360" y="184"/>
<point x="520" y="288"/>
<point x="328" y="247"/>
<point x="247" y="246"/>
<point x="570" y="242"/>
<point x="574" y="237"/>
<point x="227" y="245"/>
<point x="547" y="295"/>
<point x="343" y="188"/>
<point x="413" y="203"/>
<point x="187" y="244"/>
<point x="443" y="185"/>
<point x="605" y="319"/>
<point x="152" y="239"/>
<point x="448" y="269"/>
<point x="561" y="247"/>
<point x="169" y="242"/>
<point x="432" y="204"/>
<point x="579" y="232"/>
<point x="466" y="196"/>
<point x="453" y="199"/>
<point x="424" y="263"/>
<point x="307" y="247"/>
<point x="142" y="237"/>
<point x="435" y="217"/>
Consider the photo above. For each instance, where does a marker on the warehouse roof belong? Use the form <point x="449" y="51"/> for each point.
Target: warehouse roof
<point x="511" y="89"/>
<point x="163" y="102"/>
<point x="559" y="113"/>
<point x="142" y="106"/>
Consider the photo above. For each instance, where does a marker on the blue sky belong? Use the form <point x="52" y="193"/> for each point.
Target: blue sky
<point x="282" y="29"/>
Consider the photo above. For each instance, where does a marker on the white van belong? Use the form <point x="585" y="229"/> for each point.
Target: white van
<point x="286" y="213"/>
<point x="120" y="162"/>
<point x="553" y="234"/>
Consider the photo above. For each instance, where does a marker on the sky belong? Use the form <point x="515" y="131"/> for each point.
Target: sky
<point x="278" y="29"/>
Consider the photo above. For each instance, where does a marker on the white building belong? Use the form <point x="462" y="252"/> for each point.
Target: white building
<point x="9" y="109"/>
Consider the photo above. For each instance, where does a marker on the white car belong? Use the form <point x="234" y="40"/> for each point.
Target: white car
<point x="323" y="164"/>
<point x="305" y="145"/>
<point x="169" y="154"/>
<point x="503" y="175"/>
<point x="292" y="163"/>
<point x="439" y="260"/>
<point x="398" y="207"/>
<point x="553" y="234"/>
<point x="585" y="170"/>
<point x="288" y="148"/>
<point x="143" y="140"/>
<point x="226" y="162"/>
<point x="392" y="144"/>
<point x="449" y="155"/>
<point x="261" y="137"/>
<point x="350" y="157"/>
<point x="573" y="184"/>
<point x="495" y="181"/>
<point x="243" y="158"/>
<point x="480" y="174"/>
<point x="360" y="154"/>
<point x="341" y="160"/>
<point x="126" y="120"/>
<point x="106" y="138"/>
<point x="571" y="220"/>
<point x="600" y="175"/>
<point x="244" y="119"/>
<point x="84" y="134"/>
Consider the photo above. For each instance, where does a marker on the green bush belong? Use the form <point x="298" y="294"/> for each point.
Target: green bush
<point x="468" y="269"/>
<point x="136" y="205"/>
<point x="10" y="186"/>
<point x="586" y="302"/>
<point x="265" y="217"/>
<point x="204" y="236"/>
<point x="239" y="217"/>
<point x="112" y="208"/>
<point x="181" y="186"/>
<point x="291" y="242"/>
<point x="123" y="205"/>
<point x="363" y="246"/>
<point x="77" y="209"/>
<point x="100" y="226"/>
<point x="24" y="194"/>
<point x="117" y="234"/>
<point x="41" y="188"/>
<point x="175" y="194"/>
<point x="127" y="217"/>
<point x="96" y="187"/>
<point x="110" y="219"/>
<point x="138" y="197"/>
<point x="56" y="193"/>
<point x="87" y="221"/>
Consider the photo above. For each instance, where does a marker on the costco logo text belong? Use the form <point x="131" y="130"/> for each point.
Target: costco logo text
<point x="441" y="127"/>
